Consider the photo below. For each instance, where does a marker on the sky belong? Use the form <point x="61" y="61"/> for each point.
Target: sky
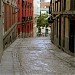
<point x="47" y="0"/>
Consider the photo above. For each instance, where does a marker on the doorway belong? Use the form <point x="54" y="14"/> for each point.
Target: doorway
<point x="71" y="35"/>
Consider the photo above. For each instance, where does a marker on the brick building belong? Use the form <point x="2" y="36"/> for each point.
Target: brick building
<point x="63" y="27"/>
<point x="8" y="21"/>
<point x="44" y="7"/>
<point x="44" y="4"/>
<point x="25" y="18"/>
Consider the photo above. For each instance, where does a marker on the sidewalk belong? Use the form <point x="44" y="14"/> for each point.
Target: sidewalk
<point x="64" y="56"/>
<point x="9" y="64"/>
<point x="11" y="60"/>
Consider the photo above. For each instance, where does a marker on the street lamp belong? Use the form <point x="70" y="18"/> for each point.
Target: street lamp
<point x="50" y="19"/>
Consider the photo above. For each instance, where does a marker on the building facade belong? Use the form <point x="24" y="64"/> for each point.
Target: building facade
<point x="44" y="7"/>
<point x="25" y="18"/>
<point x="42" y="0"/>
<point x="36" y="14"/>
<point x="36" y="7"/>
<point x="7" y="23"/>
<point x="63" y="26"/>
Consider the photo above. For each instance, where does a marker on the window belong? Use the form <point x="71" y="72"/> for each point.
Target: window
<point x="64" y="4"/>
<point x="22" y="3"/>
<point x="50" y="9"/>
<point x="72" y="4"/>
<point x="18" y="19"/>
<point x="47" y="6"/>
<point x="64" y="33"/>
<point x="18" y="31"/>
<point x="18" y="1"/>
<point x="56" y="5"/>
<point x="60" y="5"/>
<point x="53" y="6"/>
<point x="57" y="27"/>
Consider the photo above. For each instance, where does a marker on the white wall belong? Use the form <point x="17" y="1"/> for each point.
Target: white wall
<point x="43" y="12"/>
<point x="36" y="13"/>
<point x="37" y="7"/>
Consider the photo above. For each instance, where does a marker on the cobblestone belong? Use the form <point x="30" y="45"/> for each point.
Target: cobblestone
<point x="36" y="56"/>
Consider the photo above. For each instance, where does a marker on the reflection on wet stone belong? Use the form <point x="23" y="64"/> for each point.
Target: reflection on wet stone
<point x="39" y="58"/>
<point x="36" y="56"/>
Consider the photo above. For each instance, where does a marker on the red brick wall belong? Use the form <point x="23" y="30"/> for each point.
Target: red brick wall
<point x="9" y="27"/>
<point x="43" y="4"/>
<point x="26" y="11"/>
<point x="9" y="16"/>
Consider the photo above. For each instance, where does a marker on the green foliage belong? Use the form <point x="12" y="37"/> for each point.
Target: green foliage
<point x="42" y="20"/>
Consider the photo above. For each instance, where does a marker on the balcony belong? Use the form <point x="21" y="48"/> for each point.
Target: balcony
<point x="26" y="19"/>
<point x="56" y="12"/>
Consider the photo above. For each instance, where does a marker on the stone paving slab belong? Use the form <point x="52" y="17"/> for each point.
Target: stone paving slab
<point x="36" y="56"/>
<point x="40" y="57"/>
<point x="9" y="64"/>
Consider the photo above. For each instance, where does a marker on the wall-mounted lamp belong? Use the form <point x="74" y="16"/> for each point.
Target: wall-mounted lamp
<point x="50" y="19"/>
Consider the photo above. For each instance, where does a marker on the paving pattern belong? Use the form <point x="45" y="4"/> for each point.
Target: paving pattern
<point x="36" y="56"/>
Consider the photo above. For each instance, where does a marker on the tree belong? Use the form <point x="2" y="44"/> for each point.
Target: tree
<point x="42" y="20"/>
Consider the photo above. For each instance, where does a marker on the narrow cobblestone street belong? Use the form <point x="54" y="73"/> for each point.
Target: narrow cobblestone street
<point x="36" y="56"/>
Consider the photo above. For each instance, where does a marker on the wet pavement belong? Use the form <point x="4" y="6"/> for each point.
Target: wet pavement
<point x="36" y="56"/>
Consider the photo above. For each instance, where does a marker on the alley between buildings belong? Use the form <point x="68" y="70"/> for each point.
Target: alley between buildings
<point x="36" y="56"/>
